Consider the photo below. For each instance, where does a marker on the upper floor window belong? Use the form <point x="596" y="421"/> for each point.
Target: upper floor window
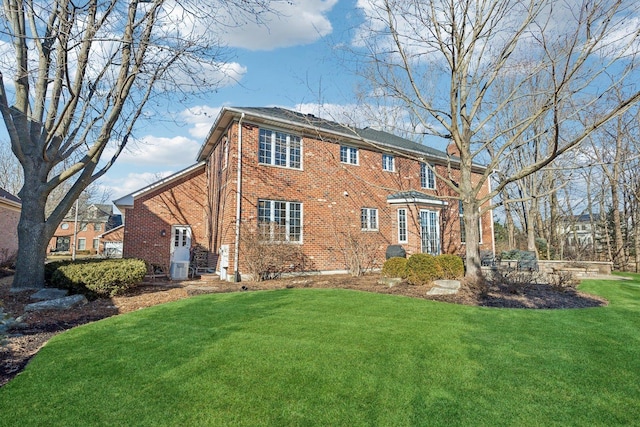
<point x="369" y="219"/>
<point x="280" y="149"/>
<point x="280" y="221"/>
<point x="388" y="162"/>
<point x="348" y="155"/>
<point x="427" y="177"/>
<point x="97" y="226"/>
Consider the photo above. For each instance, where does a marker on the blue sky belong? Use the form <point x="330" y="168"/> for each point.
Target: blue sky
<point x="294" y="63"/>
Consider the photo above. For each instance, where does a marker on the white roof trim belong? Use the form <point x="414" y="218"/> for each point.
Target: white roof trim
<point x="127" y="201"/>
<point x="11" y="203"/>
<point x="416" y="200"/>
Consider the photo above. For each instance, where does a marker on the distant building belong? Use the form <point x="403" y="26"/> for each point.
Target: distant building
<point x="92" y="222"/>
<point x="10" y="207"/>
<point x="581" y="232"/>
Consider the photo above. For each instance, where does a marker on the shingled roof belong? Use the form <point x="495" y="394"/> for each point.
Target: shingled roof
<point x="276" y="116"/>
<point x="378" y="137"/>
<point x="10" y="197"/>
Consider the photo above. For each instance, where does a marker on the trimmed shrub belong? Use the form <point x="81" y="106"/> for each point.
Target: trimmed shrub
<point x="395" y="267"/>
<point x="95" y="278"/>
<point x="452" y="266"/>
<point x="422" y="269"/>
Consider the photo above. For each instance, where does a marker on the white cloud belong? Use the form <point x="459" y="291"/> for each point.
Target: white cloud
<point x="118" y="186"/>
<point x="178" y="151"/>
<point x="294" y="23"/>
<point x="201" y="118"/>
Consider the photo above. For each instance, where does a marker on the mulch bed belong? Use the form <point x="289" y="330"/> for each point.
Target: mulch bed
<point x="39" y="327"/>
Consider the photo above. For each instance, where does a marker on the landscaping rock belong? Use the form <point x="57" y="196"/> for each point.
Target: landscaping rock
<point x="445" y="287"/>
<point x="57" y="304"/>
<point x="447" y="284"/>
<point x="389" y="281"/>
<point x="48" y="294"/>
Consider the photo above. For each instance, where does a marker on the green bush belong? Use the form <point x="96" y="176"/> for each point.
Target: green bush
<point x="422" y="269"/>
<point x="395" y="267"/>
<point x="452" y="266"/>
<point x="98" y="277"/>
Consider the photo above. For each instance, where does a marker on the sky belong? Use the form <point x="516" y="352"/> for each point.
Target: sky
<point x="293" y="62"/>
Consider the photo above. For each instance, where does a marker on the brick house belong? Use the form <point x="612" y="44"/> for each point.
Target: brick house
<point x="306" y="181"/>
<point x="10" y="207"/>
<point x="112" y="242"/>
<point x="92" y="222"/>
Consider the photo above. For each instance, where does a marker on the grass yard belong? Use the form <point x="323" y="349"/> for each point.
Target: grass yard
<point x="324" y="357"/>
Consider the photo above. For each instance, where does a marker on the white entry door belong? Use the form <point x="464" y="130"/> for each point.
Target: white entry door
<point x="180" y="243"/>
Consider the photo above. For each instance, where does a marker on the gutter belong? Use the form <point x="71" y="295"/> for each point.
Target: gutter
<point x="350" y="136"/>
<point x="236" y="254"/>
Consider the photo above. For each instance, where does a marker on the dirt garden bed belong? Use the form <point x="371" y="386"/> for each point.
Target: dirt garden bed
<point x="39" y="327"/>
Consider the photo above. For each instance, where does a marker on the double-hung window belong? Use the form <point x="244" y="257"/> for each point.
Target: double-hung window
<point x="348" y="155"/>
<point x="369" y="219"/>
<point x="402" y="226"/>
<point x="280" y="149"/>
<point x="427" y="177"/>
<point x="388" y="163"/>
<point x="280" y="221"/>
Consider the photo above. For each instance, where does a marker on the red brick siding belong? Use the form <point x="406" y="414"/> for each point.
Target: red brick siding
<point x="9" y="218"/>
<point x="328" y="215"/>
<point x="182" y="203"/>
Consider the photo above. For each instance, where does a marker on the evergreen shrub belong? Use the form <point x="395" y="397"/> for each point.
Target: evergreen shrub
<point x="98" y="278"/>
<point x="395" y="267"/>
<point x="452" y="266"/>
<point x="422" y="269"/>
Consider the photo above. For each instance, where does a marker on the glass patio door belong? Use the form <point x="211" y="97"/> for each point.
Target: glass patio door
<point x="429" y="232"/>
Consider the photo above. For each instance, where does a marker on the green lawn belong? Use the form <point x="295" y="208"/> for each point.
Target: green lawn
<point x="339" y="358"/>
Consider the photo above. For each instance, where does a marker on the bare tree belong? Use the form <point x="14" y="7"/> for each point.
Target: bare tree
<point x="444" y="60"/>
<point x="10" y="170"/>
<point x="84" y="74"/>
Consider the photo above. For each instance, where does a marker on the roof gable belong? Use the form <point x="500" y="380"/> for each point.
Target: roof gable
<point x="127" y="201"/>
<point x="9" y="198"/>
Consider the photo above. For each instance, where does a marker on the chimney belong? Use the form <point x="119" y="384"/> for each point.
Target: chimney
<point x="452" y="150"/>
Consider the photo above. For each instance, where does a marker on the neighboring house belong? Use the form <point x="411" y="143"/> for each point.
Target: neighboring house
<point x="10" y="207"/>
<point x="91" y="223"/>
<point x="581" y="232"/>
<point x="112" y="242"/>
<point x="326" y="187"/>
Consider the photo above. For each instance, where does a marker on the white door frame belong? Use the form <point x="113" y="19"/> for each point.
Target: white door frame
<point x="429" y="223"/>
<point x="180" y="243"/>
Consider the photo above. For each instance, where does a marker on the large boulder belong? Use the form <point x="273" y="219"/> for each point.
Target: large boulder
<point x="57" y="304"/>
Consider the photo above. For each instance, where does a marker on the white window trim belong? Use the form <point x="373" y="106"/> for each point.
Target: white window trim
<point x="83" y="246"/>
<point x="287" y="221"/>
<point x="406" y="231"/>
<point x="368" y="227"/>
<point x="393" y="163"/>
<point x="427" y="171"/>
<point x="272" y="160"/>
<point x="437" y="231"/>
<point x="350" y="150"/>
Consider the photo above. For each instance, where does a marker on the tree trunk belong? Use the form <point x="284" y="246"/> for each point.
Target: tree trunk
<point x="33" y="239"/>
<point x="472" y="240"/>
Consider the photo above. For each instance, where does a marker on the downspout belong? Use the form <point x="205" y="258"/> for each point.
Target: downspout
<point x="236" y="253"/>
<point x="493" y="234"/>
